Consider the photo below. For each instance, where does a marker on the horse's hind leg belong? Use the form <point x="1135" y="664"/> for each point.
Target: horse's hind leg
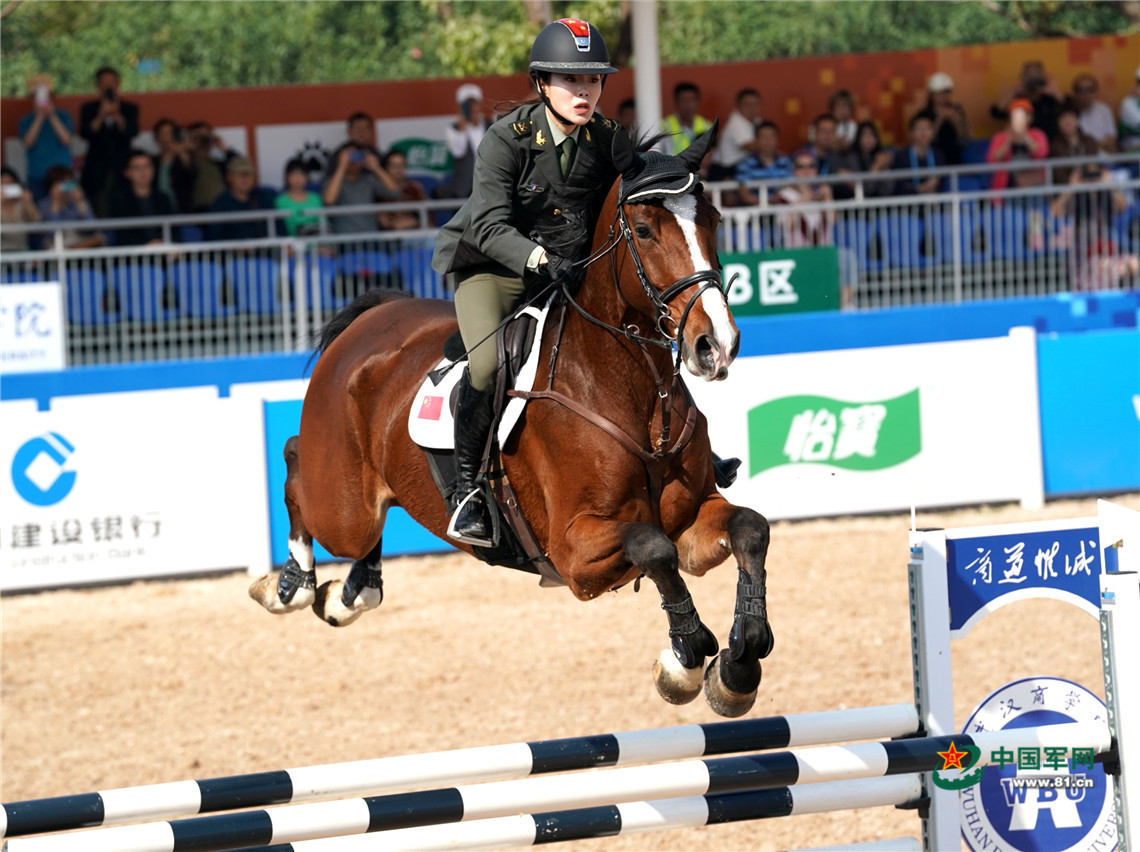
<point x="733" y="677"/>
<point x="341" y="603"/>
<point x="295" y="587"/>
<point x="677" y="672"/>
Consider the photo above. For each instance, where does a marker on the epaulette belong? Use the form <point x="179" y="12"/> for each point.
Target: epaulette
<point x="522" y="128"/>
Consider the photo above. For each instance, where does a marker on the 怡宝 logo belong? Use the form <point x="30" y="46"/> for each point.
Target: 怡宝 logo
<point x="820" y="430"/>
<point x="38" y="472"/>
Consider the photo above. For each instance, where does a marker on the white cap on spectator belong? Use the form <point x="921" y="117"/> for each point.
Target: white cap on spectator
<point x="468" y="91"/>
<point x="940" y="81"/>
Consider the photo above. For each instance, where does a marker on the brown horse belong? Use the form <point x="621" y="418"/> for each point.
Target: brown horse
<point x="611" y="466"/>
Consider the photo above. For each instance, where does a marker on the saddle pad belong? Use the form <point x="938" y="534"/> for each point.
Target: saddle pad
<point x="431" y="422"/>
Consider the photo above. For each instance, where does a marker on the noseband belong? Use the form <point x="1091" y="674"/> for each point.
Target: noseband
<point x="655" y="184"/>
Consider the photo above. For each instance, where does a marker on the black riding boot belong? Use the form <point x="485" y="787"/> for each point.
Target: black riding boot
<point x="725" y="470"/>
<point x="473" y="414"/>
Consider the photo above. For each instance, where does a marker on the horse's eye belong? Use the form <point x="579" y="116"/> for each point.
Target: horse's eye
<point x="643" y="232"/>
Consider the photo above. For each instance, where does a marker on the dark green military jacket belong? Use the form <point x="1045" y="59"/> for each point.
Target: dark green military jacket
<point x="520" y="199"/>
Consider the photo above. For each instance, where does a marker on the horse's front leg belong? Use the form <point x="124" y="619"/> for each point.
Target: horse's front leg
<point x="677" y="671"/>
<point x="733" y="677"/>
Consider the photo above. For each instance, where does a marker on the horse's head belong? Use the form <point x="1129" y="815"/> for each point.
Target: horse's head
<point x="669" y="228"/>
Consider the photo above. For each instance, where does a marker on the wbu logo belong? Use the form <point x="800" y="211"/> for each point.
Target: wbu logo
<point x="1054" y="798"/>
<point x="1028" y="795"/>
<point x="38" y="469"/>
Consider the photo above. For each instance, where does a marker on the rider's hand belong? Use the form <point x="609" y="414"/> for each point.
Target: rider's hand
<point x="561" y="269"/>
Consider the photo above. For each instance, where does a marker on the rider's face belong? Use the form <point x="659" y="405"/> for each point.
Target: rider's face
<point x="574" y="96"/>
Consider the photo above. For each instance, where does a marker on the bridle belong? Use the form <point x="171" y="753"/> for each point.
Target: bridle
<point x="666" y="447"/>
<point x="641" y="189"/>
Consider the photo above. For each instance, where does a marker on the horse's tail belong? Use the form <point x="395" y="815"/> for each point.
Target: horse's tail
<point x="323" y="339"/>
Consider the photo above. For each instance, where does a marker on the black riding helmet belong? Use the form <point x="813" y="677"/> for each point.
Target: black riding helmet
<point x="568" y="46"/>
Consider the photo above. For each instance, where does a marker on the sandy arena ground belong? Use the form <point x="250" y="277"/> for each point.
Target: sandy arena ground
<point x="163" y="681"/>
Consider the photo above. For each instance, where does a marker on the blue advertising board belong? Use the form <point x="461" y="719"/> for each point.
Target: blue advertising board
<point x="1089" y="387"/>
<point x="402" y="535"/>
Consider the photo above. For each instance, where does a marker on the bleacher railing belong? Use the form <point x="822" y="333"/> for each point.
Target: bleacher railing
<point x="188" y="297"/>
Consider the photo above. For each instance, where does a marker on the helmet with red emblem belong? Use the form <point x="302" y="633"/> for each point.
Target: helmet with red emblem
<point x="570" y="46"/>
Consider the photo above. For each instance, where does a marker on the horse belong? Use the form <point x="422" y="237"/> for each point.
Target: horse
<point x="612" y="466"/>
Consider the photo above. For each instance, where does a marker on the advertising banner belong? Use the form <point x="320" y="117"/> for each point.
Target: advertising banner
<point x="881" y="429"/>
<point x="782" y="282"/>
<point x="1090" y="411"/>
<point x="123" y="486"/>
<point x="421" y="140"/>
<point x="32" y="328"/>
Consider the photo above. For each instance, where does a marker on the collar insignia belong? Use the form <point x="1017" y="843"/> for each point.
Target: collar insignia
<point x="539" y="138"/>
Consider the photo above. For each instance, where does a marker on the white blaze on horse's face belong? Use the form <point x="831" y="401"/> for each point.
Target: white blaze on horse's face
<point x="714" y="349"/>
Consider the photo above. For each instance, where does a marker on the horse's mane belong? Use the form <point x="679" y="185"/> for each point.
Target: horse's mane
<point x="643" y="142"/>
<point x="323" y="339"/>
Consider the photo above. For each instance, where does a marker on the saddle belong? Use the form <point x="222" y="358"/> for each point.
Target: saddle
<point x="514" y="543"/>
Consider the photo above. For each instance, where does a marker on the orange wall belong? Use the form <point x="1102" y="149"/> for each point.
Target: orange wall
<point x="888" y="87"/>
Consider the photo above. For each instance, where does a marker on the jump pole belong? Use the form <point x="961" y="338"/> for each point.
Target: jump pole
<point x="524" y="830"/>
<point x="461" y="766"/>
<point x="535" y="795"/>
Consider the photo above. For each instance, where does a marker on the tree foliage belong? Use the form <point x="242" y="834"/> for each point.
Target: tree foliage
<point x="162" y="45"/>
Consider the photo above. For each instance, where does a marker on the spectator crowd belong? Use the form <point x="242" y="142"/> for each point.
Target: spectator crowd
<point x="194" y="171"/>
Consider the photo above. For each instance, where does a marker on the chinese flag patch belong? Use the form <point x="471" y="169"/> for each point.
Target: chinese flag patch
<point x="430" y="408"/>
<point x="579" y="28"/>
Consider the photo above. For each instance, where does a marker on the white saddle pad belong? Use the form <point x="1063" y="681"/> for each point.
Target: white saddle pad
<point x="430" y="421"/>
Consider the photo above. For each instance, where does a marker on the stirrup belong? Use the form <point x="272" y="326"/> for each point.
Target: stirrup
<point x="452" y="533"/>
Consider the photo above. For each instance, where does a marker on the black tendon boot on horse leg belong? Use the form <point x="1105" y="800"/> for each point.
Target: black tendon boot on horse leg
<point x="677" y="671"/>
<point x="469" y="522"/>
<point x="733" y="677"/>
<point x="340" y="603"/>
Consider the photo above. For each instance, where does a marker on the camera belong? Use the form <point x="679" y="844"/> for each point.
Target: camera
<point x="467" y="108"/>
<point x="356" y="156"/>
<point x="12" y="190"/>
<point x="1034" y="85"/>
<point x="108" y="94"/>
<point x="69" y="186"/>
<point x="1090" y="173"/>
<point x="41" y="95"/>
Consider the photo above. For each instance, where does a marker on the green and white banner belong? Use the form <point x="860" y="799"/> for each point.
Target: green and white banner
<point x="881" y="429"/>
<point x="782" y="281"/>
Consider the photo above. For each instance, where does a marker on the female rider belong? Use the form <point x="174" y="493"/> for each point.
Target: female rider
<point x="541" y="176"/>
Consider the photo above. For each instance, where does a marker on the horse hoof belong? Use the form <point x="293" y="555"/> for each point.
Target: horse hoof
<point x="723" y="700"/>
<point x="675" y="683"/>
<point x="264" y="591"/>
<point x="330" y="607"/>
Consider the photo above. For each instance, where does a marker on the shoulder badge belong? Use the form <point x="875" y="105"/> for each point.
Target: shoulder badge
<point x="521" y="128"/>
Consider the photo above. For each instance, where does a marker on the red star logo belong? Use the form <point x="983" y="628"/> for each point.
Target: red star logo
<point x="952" y="758"/>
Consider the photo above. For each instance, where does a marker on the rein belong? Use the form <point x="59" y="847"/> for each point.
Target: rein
<point x="707" y="278"/>
<point x="620" y="232"/>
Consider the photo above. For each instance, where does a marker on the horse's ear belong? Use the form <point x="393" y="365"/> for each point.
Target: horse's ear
<point x="623" y="151"/>
<point x="700" y="146"/>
